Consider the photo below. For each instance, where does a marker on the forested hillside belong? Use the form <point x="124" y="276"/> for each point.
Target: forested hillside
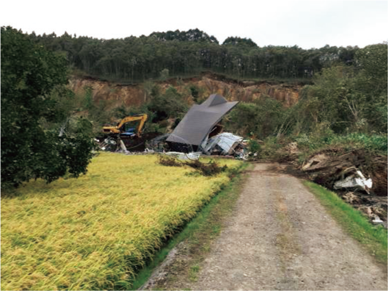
<point x="182" y="53"/>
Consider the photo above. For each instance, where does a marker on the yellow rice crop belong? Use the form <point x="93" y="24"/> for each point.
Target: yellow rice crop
<point x="93" y="232"/>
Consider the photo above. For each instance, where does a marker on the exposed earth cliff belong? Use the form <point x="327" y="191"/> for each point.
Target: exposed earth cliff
<point x="134" y="95"/>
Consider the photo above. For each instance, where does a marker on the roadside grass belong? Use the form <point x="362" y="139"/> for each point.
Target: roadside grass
<point x="274" y="148"/>
<point x="199" y="232"/>
<point x="373" y="143"/>
<point x="97" y="231"/>
<point x="373" y="238"/>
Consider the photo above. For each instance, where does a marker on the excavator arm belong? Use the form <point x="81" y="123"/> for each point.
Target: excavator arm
<point x="119" y="128"/>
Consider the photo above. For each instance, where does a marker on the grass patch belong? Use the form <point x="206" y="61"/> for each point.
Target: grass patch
<point x="199" y="232"/>
<point x="194" y="273"/>
<point x="373" y="238"/>
<point x="97" y="231"/>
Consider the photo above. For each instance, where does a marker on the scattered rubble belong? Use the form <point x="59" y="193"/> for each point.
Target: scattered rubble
<point x="199" y="132"/>
<point x="377" y="213"/>
<point x="207" y="169"/>
<point x="364" y="175"/>
<point x="330" y="166"/>
<point x="351" y="198"/>
<point x="185" y="156"/>
<point x="355" y="180"/>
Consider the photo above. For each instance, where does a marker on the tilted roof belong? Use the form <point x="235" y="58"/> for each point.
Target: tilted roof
<point x="200" y="120"/>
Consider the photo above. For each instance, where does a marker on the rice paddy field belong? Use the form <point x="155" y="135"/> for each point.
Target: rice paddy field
<point x="96" y="231"/>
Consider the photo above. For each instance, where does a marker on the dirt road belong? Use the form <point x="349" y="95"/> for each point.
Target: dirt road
<point x="280" y="237"/>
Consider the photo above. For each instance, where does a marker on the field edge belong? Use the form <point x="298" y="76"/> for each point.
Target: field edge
<point x="195" y="230"/>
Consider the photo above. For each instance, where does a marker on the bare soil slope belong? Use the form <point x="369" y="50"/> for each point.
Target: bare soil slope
<point x="134" y="95"/>
<point x="280" y="237"/>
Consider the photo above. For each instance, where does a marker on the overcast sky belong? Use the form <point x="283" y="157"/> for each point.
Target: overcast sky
<point x="304" y="23"/>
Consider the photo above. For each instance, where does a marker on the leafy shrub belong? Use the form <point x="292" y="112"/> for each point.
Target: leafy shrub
<point x="371" y="142"/>
<point x="31" y="115"/>
<point x="260" y="119"/>
<point x="194" y="90"/>
<point x="164" y="74"/>
<point x="254" y="146"/>
<point x="170" y="104"/>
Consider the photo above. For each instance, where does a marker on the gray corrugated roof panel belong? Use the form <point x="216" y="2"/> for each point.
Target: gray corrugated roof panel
<point x="200" y="120"/>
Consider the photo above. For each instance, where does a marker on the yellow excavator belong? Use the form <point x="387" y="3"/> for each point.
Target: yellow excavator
<point x="125" y="134"/>
<point x="124" y="127"/>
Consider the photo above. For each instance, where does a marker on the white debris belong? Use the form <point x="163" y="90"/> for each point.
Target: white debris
<point x="355" y="180"/>
<point x="377" y="220"/>
<point x="225" y="141"/>
<point x="185" y="156"/>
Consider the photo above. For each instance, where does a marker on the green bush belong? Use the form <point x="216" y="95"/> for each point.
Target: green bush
<point x="259" y="119"/>
<point x="371" y="142"/>
<point x="254" y="147"/>
<point x="170" y="104"/>
<point x="33" y="144"/>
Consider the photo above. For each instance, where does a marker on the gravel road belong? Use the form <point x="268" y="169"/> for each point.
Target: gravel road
<point x="280" y="237"/>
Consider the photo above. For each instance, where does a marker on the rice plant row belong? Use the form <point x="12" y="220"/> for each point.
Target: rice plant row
<point x="95" y="232"/>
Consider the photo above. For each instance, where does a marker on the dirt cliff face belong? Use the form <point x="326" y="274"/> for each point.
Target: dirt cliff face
<point x="115" y="94"/>
<point x="134" y="95"/>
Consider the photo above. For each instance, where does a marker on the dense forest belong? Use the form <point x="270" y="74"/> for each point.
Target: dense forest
<point x="182" y="53"/>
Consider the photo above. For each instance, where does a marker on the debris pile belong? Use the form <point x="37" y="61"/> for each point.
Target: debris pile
<point x="226" y="144"/>
<point x="355" y="179"/>
<point x="350" y="170"/>
<point x="361" y="180"/>
<point x="199" y="132"/>
<point x="207" y="169"/>
<point x="374" y="207"/>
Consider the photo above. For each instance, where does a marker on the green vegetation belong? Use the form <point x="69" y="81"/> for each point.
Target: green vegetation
<point x="38" y="138"/>
<point x="372" y="143"/>
<point x="344" y="107"/>
<point x="186" y="53"/>
<point x="259" y="119"/>
<point x="238" y="41"/>
<point x="167" y="105"/>
<point x="198" y="233"/>
<point x="97" y="231"/>
<point x="373" y="238"/>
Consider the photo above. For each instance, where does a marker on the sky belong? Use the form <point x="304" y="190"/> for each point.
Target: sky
<point x="307" y="24"/>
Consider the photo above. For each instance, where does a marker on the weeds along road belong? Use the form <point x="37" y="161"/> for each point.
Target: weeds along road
<point x="280" y="237"/>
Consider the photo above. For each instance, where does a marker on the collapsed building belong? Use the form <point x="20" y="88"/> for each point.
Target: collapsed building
<point x="200" y="131"/>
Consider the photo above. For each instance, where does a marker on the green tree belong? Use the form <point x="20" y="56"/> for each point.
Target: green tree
<point x="37" y="138"/>
<point x="170" y="104"/>
<point x="259" y="119"/>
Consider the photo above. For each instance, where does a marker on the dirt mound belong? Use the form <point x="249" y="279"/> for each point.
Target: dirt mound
<point x="327" y="167"/>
